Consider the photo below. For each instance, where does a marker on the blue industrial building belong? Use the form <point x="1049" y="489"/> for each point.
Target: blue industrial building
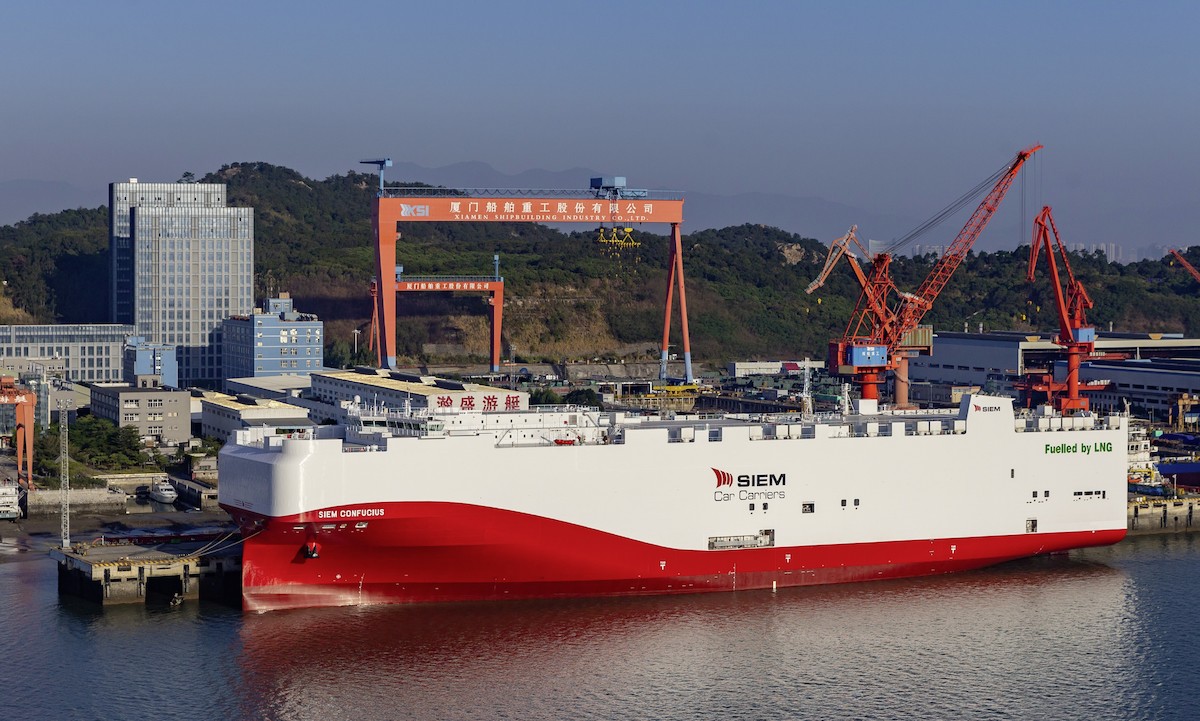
<point x="147" y="365"/>
<point x="280" y="341"/>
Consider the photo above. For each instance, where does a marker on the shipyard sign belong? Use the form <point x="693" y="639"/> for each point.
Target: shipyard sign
<point x="537" y="210"/>
<point x="745" y="482"/>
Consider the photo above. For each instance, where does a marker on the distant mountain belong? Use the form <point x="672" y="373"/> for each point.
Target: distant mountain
<point x="20" y="199"/>
<point x="570" y="295"/>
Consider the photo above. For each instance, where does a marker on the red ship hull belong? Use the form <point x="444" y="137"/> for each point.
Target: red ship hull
<point x="439" y="552"/>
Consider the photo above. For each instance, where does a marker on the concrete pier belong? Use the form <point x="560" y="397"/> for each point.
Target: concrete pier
<point x="169" y="572"/>
<point x="1157" y="515"/>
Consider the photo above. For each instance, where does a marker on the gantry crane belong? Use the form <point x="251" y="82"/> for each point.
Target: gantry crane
<point x="1074" y="333"/>
<point x="881" y="335"/>
<point x="23" y="402"/>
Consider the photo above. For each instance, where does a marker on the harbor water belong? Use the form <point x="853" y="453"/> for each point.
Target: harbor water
<point x="1097" y="634"/>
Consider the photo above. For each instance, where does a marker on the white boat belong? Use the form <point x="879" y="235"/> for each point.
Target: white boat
<point x="163" y="492"/>
<point x="428" y="506"/>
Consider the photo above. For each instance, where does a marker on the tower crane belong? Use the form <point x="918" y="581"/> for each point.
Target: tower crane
<point x="1072" y="304"/>
<point x="882" y="333"/>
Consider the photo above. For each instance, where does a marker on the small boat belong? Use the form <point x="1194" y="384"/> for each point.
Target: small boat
<point x="163" y="492"/>
<point x="1147" y="488"/>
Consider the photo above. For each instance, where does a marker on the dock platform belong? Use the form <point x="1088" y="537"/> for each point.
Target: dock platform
<point x="167" y="571"/>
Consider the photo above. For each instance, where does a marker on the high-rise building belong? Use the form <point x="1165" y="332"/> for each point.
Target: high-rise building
<point x="279" y="342"/>
<point x="181" y="263"/>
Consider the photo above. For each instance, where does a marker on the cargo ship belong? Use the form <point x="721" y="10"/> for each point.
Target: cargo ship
<point x="404" y="506"/>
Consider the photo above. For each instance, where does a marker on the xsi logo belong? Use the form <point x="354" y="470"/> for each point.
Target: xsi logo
<point x="414" y="211"/>
<point x="723" y="478"/>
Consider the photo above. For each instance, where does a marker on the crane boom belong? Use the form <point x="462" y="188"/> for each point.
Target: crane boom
<point x="1186" y="265"/>
<point x="837" y="249"/>
<point x="915" y="308"/>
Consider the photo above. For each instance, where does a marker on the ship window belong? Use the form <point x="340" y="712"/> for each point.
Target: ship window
<point x="360" y="525"/>
<point x="1045" y="494"/>
<point x="764" y="506"/>
<point x="1035" y="494"/>
<point x="856" y="502"/>
<point x="1079" y="493"/>
<point x="807" y="507"/>
<point x="1012" y="473"/>
<point x="1031" y="525"/>
<point x="1104" y="494"/>
<point x="751" y="506"/>
<point x="843" y="503"/>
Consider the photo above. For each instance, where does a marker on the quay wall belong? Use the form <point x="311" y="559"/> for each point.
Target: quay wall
<point x="1148" y="517"/>
<point x="82" y="500"/>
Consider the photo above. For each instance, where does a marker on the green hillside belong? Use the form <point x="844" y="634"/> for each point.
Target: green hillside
<point x="567" y="295"/>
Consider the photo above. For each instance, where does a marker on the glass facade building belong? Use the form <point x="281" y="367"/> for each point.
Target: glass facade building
<point x="182" y="262"/>
<point x="279" y="342"/>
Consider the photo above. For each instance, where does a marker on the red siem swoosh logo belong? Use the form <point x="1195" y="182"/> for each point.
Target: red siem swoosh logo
<point x="723" y="478"/>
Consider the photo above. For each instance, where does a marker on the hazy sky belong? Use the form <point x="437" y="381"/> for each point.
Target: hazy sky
<point x="894" y="106"/>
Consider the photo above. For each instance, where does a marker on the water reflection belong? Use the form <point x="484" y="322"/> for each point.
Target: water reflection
<point x="1040" y="632"/>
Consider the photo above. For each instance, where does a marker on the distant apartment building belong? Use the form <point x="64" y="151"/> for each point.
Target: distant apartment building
<point x="278" y="342"/>
<point x="160" y="415"/>
<point x="182" y="262"/>
<point x="147" y="365"/>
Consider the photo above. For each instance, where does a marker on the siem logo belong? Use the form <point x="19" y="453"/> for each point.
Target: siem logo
<point x="985" y="409"/>
<point x="744" y="480"/>
<point x="414" y="211"/>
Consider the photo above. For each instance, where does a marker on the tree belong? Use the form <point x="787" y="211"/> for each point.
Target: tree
<point x="338" y="354"/>
<point x="188" y="177"/>
<point x="544" y="397"/>
<point x="584" y="397"/>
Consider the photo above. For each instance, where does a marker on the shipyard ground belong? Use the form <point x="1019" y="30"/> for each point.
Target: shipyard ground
<point x="37" y="536"/>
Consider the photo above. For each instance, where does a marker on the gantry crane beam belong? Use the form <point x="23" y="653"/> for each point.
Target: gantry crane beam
<point x="607" y="201"/>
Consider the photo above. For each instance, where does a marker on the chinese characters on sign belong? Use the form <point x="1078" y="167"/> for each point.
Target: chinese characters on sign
<point x="484" y="403"/>
<point x="448" y="285"/>
<point x="537" y="210"/>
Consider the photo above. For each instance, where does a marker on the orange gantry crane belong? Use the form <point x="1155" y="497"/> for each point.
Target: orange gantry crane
<point x="23" y="401"/>
<point x="883" y="332"/>
<point x="1072" y="304"/>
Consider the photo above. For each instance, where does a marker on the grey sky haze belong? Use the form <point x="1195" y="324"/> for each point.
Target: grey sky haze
<point x="896" y="107"/>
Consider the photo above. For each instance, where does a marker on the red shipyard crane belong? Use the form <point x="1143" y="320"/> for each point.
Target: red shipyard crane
<point x="883" y="333"/>
<point x="1072" y="304"/>
<point x="1186" y="265"/>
